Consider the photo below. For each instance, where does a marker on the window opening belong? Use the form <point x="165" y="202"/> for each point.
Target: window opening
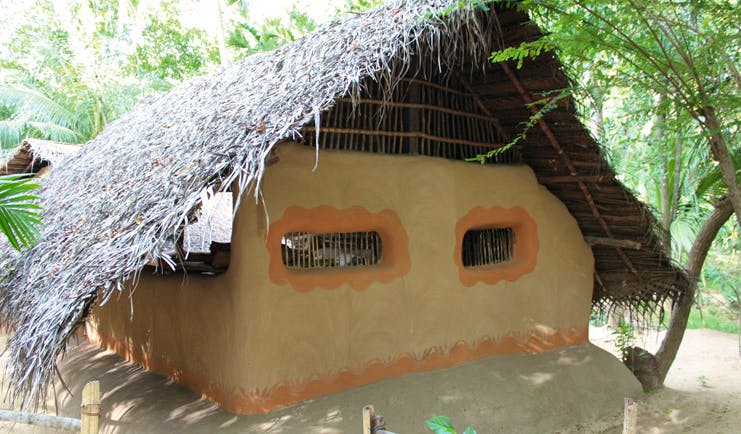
<point x="214" y="225"/>
<point x="487" y="246"/>
<point x="205" y="245"/>
<point x="306" y="250"/>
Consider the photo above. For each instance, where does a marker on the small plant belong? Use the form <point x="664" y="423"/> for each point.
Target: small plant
<point x="624" y="337"/>
<point x="443" y="425"/>
<point x="703" y="380"/>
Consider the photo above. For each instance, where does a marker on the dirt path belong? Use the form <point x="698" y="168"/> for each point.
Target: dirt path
<point x="703" y="393"/>
<point x="703" y="388"/>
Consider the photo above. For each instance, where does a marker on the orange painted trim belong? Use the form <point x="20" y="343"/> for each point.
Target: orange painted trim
<point x="263" y="401"/>
<point x="526" y="244"/>
<point x="394" y="262"/>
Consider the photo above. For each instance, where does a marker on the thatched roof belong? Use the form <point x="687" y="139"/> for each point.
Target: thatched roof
<point x="113" y="206"/>
<point x="33" y="154"/>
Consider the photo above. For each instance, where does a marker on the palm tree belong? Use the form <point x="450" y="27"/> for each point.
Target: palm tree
<point x="27" y="112"/>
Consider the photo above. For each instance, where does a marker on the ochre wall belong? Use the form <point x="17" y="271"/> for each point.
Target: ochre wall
<point x="253" y="346"/>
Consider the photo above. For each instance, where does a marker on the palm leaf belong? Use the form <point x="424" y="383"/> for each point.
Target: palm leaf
<point x="712" y="181"/>
<point x="11" y="133"/>
<point x="19" y="219"/>
<point x="35" y="105"/>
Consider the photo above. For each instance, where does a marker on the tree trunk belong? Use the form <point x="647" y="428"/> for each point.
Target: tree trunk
<point x="666" y="212"/>
<point x="664" y="189"/>
<point x="696" y="258"/>
<point x="651" y="370"/>
<point x="677" y="174"/>
<point x="725" y="162"/>
<point x="221" y="35"/>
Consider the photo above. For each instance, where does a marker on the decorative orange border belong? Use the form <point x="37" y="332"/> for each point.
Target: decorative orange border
<point x="525" y="251"/>
<point x="256" y="401"/>
<point x="394" y="262"/>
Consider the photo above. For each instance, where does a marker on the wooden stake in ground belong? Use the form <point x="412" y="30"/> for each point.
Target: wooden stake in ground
<point x="630" y="418"/>
<point x="90" y="415"/>
<point x="369" y="413"/>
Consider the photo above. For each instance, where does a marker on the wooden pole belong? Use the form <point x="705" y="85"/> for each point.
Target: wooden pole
<point x="612" y="242"/>
<point x="44" y="420"/>
<point x="369" y="413"/>
<point x="630" y="417"/>
<point x="90" y="414"/>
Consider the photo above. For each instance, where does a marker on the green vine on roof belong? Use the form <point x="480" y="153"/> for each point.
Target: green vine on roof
<point x="526" y="50"/>
<point x="548" y="103"/>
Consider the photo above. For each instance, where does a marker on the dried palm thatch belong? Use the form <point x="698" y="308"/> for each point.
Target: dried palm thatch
<point x="114" y="206"/>
<point x="33" y="154"/>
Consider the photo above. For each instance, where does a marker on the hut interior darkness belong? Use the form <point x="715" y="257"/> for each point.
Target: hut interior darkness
<point x="373" y="248"/>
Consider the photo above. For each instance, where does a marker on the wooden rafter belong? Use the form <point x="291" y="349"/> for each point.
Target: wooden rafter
<point x="570" y="179"/>
<point x="412" y="105"/>
<point x="599" y="280"/>
<point x="569" y="165"/>
<point x="612" y="242"/>
<point x="419" y="135"/>
<point x="468" y="93"/>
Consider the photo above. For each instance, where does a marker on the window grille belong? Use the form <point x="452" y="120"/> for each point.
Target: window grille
<point x="305" y="250"/>
<point x="487" y="246"/>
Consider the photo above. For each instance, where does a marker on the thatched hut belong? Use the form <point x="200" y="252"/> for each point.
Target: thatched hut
<point x="364" y="245"/>
<point x="36" y="156"/>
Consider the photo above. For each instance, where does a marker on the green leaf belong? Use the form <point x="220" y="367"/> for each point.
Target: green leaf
<point x="18" y="221"/>
<point x="469" y="430"/>
<point x="440" y="425"/>
<point x="526" y="50"/>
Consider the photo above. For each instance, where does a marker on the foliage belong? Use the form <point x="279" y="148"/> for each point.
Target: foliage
<point x="361" y="5"/>
<point x="548" y="102"/>
<point x="30" y="113"/>
<point x="526" y="50"/>
<point x="273" y="33"/>
<point x="624" y="336"/>
<point x="19" y="216"/>
<point x="714" y="318"/>
<point x="169" y="52"/>
<point x="443" y="425"/>
<point x="66" y="80"/>
<point x="671" y="65"/>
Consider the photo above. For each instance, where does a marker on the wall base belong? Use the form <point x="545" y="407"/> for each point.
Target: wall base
<point x="546" y="392"/>
<point x="241" y="401"/>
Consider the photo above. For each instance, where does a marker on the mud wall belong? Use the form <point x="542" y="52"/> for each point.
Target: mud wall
<point x="255" y="339"/>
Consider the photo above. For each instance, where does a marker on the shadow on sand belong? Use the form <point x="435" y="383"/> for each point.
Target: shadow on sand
<point x="514" y="393"/>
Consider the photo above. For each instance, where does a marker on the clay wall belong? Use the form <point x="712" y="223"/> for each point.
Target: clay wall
<point x="259" y="336"/>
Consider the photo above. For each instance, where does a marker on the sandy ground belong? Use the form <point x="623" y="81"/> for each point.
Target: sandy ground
<point x="703" y="395"/>
<point x="703" y="388"/>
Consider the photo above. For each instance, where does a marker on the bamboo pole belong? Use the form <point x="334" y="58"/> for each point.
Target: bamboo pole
<point x="90" y="414"/>
<point x="42" y="420"/>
